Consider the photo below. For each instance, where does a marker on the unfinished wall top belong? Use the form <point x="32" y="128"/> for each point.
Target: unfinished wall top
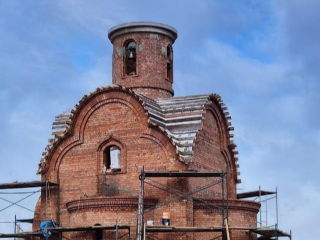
<point x="143" y="57"/>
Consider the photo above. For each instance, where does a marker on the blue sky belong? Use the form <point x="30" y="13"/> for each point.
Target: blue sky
<point x="262" y="57"/>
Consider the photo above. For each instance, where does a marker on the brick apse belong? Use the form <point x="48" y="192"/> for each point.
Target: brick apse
<point x="100" y="147"/>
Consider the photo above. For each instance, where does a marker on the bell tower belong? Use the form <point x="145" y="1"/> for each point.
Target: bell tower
<point x="142" y="58"/>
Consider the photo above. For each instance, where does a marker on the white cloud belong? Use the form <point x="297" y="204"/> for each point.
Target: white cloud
<point x="261" y="57"/>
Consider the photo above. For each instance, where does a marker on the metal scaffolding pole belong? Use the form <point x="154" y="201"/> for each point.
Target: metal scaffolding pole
<point x="46" y="217"/>
<point x="117" y="229"/>
<point x="15" y="225"/>
<point x="277" y="206"/>
<point x="260" y="206"/>
<point x="223" y="179"/>
<point x="140" y="218"/>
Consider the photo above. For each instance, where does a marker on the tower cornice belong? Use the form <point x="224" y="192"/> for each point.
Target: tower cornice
<point x="150" y="27"/>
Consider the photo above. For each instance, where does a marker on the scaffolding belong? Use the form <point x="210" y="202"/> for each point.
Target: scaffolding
<point x="142" y="230"/>
<point x="59" y="230"/>
<point x="265" y="229"/>
<point x="20" y="185"/>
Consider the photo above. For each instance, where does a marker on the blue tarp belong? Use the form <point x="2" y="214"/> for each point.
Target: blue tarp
<point x="47" y="224"/>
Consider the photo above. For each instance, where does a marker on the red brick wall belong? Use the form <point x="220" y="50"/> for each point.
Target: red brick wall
<point x="76" y="162"/>
<point x="116" y="116"/>
<point x="151" y="78"/>
<point x="208" y="150"/>
<point x="241" y="214"/>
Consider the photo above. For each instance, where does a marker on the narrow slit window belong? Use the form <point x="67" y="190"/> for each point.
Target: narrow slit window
<point x="112" y="159"/>
<point x="169" y="62"/>
<point x="130" y="64"/>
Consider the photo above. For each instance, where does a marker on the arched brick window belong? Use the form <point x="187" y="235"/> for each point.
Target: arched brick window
<point x="112" y="158"/>
<point x="169" y="62"/>
<point x="98" y="233"/>
<point x="130" y="59"/>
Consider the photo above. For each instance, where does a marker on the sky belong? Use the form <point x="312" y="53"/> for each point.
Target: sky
<point x="261" y="56"/>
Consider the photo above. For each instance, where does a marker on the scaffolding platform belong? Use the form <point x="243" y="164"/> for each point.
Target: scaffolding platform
<point x="29" y="220"/>
<point x="257" y="193"/>
<point x="270" y="232"/>
<point x="61" y="230"/>
<point x="183" y="174"/>
<point x="88" y="228"/>
<point x="31" y="184"/>
<point x="160" y="229"/>
<point x="21" y="235"/>
<point x="222" y="179"/>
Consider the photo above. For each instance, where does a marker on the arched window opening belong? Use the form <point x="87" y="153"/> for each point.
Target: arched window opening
<point x="112" y="159"/>
<point x="130" y="64"/>
<point x="169" y="62"/>
<point x="98" y="234"/>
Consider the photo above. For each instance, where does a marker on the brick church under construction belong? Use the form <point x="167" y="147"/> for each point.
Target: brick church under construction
<point x="130" y="161"/>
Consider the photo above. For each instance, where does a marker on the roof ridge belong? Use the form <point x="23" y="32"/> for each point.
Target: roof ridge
<point x="179" y="118"/>
<point x="65" y="129"/>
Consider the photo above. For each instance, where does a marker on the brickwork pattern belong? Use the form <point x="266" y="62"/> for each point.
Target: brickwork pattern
<point x="117" y="116"/>
<point x="151" y="56"/>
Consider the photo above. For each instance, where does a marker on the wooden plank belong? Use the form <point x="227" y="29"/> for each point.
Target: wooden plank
<point x="19" y="235"/>
<point x="183" y="174"/>
<point x="227" y="228"/>
<point x="25" y="184"/>
<point x="85" y="228"/>
<point x="30" y="220"/>
<point x="254" y="194"/>
<point x="269" y="232"/>
<point x="183" y="229"/>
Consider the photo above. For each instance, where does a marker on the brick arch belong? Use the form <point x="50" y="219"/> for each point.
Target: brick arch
<point x="161" y="139"/>
<point x="229" y="147"/>
<point x="224" y="139"/>
<point x="87" y="106"/>
<point x="223" y="132"/>
<point x="232" y="173"/>
<point x="112" y="140"/>
<point x="163" y="152"/>
<point x="212" y="151"/>
<point x="159" y="143"/>
<point x="136" y="39"/>
<point x="107" y="101"/>
<point x="214" y="110"/>
<point x="80" y="126"/>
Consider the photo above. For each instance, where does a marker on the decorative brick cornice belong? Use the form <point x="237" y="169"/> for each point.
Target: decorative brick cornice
<point x="230" y="146"/>
<point x="110" y="203"/>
